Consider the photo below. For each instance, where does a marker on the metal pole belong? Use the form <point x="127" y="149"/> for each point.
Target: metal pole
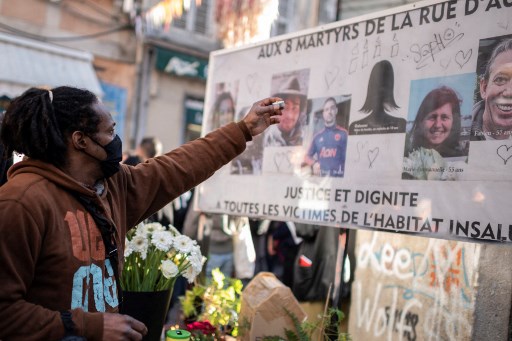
<point x="340" y="267"/>
<point x="338" y="10"/>
<point x="338" y="277"/>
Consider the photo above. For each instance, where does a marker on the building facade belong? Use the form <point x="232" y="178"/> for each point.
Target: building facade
<point x="88" y="44"/>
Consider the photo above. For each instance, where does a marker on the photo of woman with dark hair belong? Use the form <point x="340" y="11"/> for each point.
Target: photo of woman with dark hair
<point x="437" y="124"/>
<point x="379" y="102"/>
<point x="436" y="145"/>
<point x="223" y="110"/>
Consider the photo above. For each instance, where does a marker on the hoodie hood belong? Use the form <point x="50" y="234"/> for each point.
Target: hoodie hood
<point x="50" y="173"/>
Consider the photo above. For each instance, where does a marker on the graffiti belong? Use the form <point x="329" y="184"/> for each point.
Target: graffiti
<point x="410" y="320"/>
<point x="422" y="292"/>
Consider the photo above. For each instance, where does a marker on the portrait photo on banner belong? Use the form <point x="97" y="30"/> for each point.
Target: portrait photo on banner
<point x="438" y="127"/>
<point x="380" y="110"/>
<point x="283" y="143"/>
<point x="224" y="105"/>
<point x="326" y="136"/>
<point x="492" y="110"/>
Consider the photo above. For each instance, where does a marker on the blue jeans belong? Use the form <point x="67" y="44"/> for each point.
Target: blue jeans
<point x="223" y="261"/>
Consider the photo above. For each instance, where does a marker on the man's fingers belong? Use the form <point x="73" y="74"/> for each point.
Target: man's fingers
<point x="274" y="119"/>
<point x="135" y="335"/>
<point x="270" y="100"/>
<point x="137" y="325"/>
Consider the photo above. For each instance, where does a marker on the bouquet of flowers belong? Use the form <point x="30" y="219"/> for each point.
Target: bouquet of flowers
<point x="156" y="256"/>
<point x="215" y="304"/>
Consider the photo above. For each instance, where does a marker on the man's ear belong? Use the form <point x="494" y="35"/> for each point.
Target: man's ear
<point x="483" y="88"/>
<point x="78" y="140"/>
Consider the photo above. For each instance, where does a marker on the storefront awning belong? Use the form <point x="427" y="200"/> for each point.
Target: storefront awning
<point x="25" y="63"/>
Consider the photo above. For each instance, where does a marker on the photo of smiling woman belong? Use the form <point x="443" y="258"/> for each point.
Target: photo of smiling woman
<point x="437" y="140"/>
<point x="437" y="124"/>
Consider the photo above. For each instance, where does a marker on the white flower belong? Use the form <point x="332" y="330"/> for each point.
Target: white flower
<point x="162" y="240"/>
<point x="190" y="274"/>
<point x="152" y="227"/>
<point x="127" y="248"/>
<point x="173" y="230"/>
<point x="195" y="248"/>
<point x="183" y="244"/>
<point x="139" y="244"/>
<point x="140" y="231"/>
<point x="169" y="269"/>
<point x="196" y="261"/>
<point x="174" y="255"/>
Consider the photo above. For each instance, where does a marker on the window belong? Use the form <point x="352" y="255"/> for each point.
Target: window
<point x="198" y="19"/>
<point x="282" y="24"/>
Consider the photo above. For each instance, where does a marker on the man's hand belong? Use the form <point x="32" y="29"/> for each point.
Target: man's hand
<point x="262" y="115"/>
<point x="118" y="327"/>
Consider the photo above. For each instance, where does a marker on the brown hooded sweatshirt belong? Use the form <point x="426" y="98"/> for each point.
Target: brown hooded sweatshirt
<point x="52" y="256"/>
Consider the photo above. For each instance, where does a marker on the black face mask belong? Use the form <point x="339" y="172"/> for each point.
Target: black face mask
<point x="114" y="150"/>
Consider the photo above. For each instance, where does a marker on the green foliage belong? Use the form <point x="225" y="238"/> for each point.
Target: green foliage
<point x="217" y="302"/>
<point x="300" y="333"/>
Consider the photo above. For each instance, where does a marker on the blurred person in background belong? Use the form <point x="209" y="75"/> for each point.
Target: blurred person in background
<point x="220" y="243"/>
<point x="282" y="246"/>
<point x="148" y="148"/>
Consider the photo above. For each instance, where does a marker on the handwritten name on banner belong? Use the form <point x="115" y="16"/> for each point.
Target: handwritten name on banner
<point x="399" y="21"/>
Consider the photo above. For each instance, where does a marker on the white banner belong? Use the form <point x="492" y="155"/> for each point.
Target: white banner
<point x="400" y="121"/>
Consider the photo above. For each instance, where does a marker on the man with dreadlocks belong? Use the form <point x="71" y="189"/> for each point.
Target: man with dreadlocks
<point x="64" y="210"/>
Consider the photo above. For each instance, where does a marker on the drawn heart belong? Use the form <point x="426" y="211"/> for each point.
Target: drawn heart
<point x="282" y="161"/>
<point x="445" y="62"/>
<point x="372" y="155"/>
<point x="504" y="152"/>
<point x="462" y="58"/>
<point x="251" y="81"/>
<point x="330" y="75"/>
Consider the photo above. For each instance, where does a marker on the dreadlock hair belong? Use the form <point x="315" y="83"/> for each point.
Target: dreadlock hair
<point x="38" y="123"/>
